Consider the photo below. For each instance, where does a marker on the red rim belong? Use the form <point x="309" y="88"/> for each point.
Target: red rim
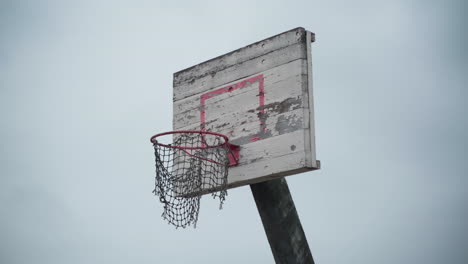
<point x="154" y="141"/>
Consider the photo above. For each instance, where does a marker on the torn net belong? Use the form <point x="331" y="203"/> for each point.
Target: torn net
<point x="194" y="164"/>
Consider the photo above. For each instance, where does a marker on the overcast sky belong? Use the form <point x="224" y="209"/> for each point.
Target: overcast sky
<point x="84" y="84"/>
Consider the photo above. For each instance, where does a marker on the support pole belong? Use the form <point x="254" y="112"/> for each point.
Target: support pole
<point x="281" y="222"/>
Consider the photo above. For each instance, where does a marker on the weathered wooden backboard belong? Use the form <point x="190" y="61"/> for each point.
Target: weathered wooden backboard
<point x="261" y="97"/>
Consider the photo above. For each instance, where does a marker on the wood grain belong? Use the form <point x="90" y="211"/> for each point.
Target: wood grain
<point x="203" y="83"/>
<point x="260" y="96"/>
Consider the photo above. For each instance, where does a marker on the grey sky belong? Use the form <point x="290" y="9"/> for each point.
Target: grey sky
<point x="84" y="84"/>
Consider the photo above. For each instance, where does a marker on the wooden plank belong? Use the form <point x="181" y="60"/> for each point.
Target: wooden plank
<point x="267" y="169"/>
<point x="242" y="130"/>
<point x="278" y="167"/>
<point x="271" y="158"/>
<point x="275" y="78"/>
<point x="240" y="55"/>
<point x="276" y="124"/>
<point x="239" y="71"/>
<point x="272" y="147"/>
<point x="309" y="132"/>
<point x="280" y="91"/>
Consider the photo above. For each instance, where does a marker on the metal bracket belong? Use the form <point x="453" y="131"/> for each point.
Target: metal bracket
<point x="233" y="154"/>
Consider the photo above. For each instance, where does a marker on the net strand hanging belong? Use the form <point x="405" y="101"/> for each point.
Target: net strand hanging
<point x="195" y="163"/>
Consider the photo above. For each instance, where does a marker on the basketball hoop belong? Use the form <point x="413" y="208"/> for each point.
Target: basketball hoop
<point x="195" y="163"/>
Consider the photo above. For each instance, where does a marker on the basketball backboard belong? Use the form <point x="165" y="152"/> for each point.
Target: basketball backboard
<point x="261" y="97"/>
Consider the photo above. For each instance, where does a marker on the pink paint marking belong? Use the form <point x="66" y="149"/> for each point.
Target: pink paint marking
<point x="253" y="139"/>
<point x="230" y="88"/>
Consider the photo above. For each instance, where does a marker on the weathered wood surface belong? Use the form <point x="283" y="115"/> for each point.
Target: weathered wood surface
<point x="281" y="222"/>
<point x="236" y="72"/>
<point x="241" y="55"/>
<point x="259" y="97"/>
<point x="281" y="83"/>
<point x="242" y="131"/>
<point x="309" y="131"/>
